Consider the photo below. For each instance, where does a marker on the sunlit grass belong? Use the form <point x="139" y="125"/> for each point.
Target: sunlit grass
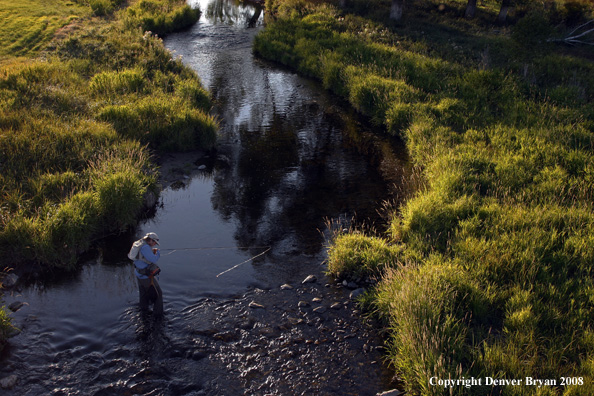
<point x="27" y="25"/>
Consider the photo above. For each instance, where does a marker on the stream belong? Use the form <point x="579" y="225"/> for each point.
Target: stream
<point x="240" y="230"/>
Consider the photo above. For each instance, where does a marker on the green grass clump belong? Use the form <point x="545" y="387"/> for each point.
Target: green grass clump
<point x="356" y="255"/>
<point x="487" y="268"/>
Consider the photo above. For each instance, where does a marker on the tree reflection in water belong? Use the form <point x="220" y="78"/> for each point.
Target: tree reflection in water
<point x="295" y="157"/>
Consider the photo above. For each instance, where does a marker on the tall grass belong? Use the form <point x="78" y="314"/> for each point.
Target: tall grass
<point x="487" y="269"/>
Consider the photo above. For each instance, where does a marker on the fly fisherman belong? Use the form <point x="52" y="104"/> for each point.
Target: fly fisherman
<point x="145" y="256"/>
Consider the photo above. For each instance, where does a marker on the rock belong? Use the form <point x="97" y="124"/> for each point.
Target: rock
<point x="317" y="300"/>
<point x="15" y="306"/>
<point x="202" y="167"/>
<point x="10" y="280"/>
<point x="336" y="305"/>
<point x="310" y="279"/>
<point x="302" y="304"/>
<point x="320" y="310"/>
<point x="286" y="287"/>
<point x="9" y="382"/>
<point x="255" y="305"/>
<point x="392" y="392"/>
<point x="356" y="293"/>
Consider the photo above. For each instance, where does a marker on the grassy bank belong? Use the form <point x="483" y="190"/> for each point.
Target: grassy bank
<point x="487" y="270"/>
<point x="82" y="109"/>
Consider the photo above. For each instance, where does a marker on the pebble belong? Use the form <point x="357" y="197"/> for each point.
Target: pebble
<point x="286" y="287"/>
<point x="356" y="293"/>
<point x="302" y="304"/>
<point x="8" y="382"/>
<point x="320" y="310"/>
<point x="254" y="304"/>
<point x="392" y="392"/>
<point x="202" y="167"/>
<point x="336" y="305"/>
<point x="317" y="299"/>
<point x="310" y="279"/>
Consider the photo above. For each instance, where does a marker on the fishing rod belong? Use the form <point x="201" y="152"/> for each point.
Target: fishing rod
<point x="225" y="247"/>
<point x="213" y="248"/>
<point x="243" y="262"/>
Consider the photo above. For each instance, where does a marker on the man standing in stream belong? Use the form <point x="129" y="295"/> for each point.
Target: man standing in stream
<point x="145" y="256"/>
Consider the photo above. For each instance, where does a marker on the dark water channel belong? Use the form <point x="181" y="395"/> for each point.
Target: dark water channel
<point x="290" y="158"/>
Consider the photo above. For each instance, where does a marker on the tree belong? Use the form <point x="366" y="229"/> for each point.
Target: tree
<point x="470" y="9"/>
<point x="396" y="9"/>
<point x="505" y="6"/>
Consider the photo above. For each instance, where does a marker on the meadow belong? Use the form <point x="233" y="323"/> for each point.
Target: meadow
<point x="88" y="97"/>
<point x="486" y="270"/>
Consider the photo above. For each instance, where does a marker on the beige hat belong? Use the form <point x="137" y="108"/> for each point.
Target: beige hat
<point x="152" y="236"/>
